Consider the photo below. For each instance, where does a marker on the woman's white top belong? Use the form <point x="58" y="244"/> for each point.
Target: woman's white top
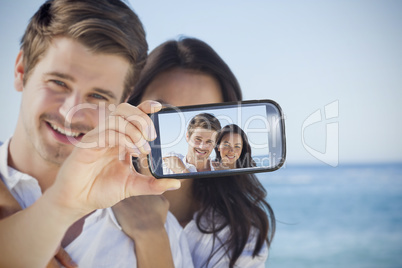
<point x="202" y="245"/>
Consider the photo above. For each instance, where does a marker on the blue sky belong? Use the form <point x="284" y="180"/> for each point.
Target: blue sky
<point x="306" y="55"/>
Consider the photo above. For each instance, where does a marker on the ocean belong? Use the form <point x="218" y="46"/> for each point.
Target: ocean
<point x="347" y="216"/>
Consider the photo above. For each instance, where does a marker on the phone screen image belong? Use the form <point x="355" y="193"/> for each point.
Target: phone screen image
<point x="227" y="138"/>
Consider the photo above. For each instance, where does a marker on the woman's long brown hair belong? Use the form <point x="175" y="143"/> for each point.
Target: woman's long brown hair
<point x="234" y="201"/>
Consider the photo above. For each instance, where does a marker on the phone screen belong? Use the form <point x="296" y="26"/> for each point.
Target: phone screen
<point x="224" y="139"/>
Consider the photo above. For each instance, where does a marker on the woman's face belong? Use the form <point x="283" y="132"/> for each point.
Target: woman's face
<point x="230" y="148"/>
<point x="180" y="87"/>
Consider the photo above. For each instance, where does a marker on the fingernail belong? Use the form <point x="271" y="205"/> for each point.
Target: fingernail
<point x="174" y="187"/>
<point x="156" y="104"/>
<point x="152" y="135"/>
<point x="146" y="147"/>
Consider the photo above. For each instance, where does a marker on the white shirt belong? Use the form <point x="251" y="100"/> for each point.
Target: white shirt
<point x="190" y="167"/>
<point x="202" y="246"/>
<point x="102" y="242"/>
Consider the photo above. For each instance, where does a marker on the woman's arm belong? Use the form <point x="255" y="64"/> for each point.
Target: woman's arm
<point x="143" y="219"/>
<point x="8" y="204"/>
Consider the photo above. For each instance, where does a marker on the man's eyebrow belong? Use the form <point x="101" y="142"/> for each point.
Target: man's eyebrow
<point x="106" y="92"/>
<point x="61" y="75"/>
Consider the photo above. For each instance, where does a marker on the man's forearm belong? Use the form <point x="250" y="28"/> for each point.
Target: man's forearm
<point x="30" y="238"/>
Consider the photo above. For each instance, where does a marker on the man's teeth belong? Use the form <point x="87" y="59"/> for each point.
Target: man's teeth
<point x="200" y="152"/>
<point x="65" y="131"/>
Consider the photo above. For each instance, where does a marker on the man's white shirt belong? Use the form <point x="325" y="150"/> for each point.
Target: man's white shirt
<point x="190" y="167"/>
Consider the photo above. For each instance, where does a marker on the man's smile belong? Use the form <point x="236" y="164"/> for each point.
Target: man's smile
<point x="62" y="134"/>
<point x="201" y="152"/>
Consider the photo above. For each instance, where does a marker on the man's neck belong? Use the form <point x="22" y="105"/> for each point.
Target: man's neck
<point x="23" y="157"/>
<point x="200" y="165"/>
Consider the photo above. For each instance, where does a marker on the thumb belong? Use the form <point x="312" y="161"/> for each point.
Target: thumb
<point x="147" y="185"/>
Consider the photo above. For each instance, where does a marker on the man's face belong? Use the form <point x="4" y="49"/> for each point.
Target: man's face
<point x="67" y="76"/>
<point x="201" y="143"/>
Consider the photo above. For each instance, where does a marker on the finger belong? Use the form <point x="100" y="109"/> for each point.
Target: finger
<point x="133" y="135"/>
<point x="125" y="144"/>
<point x="138" y="118"/>
<point x="150" y="106"/>
<point x="120" y="124"/>
<point x="147" y="185"/>
<point x="64" y="258"/>
<point x="116" y="137"/>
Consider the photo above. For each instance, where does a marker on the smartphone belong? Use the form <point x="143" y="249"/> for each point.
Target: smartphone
<point x="218" y="140"/>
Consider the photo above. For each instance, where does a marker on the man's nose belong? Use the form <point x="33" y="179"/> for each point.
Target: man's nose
<point x="203" y="145"/>
<point x="71" y="107"/>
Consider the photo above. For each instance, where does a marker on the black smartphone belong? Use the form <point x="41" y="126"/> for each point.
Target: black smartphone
<point x="218" y="139"/>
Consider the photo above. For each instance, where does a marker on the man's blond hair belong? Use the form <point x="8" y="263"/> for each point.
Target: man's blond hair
<point x="103" y="26"/>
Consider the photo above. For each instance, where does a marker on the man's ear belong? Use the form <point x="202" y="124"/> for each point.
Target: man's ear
<point x="19" y="72"/>
<point x="187" y="137"/>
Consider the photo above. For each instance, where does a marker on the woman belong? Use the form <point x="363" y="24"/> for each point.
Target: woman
<point x="227" y="220"/>
<point x="232" y="149"/>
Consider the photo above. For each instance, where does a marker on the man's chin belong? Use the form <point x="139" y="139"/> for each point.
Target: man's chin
<point x="200" y="157"/>
<point x="55" y="156"/>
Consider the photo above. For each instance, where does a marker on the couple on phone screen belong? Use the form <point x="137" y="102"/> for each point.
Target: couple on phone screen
<point x="204" y="134"/>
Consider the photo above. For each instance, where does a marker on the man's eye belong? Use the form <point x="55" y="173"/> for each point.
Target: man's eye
<point x="59" y="83"/>
<point x="98" y="96"/>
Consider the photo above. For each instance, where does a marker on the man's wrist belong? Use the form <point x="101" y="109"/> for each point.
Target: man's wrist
<point x="58" y="207"/>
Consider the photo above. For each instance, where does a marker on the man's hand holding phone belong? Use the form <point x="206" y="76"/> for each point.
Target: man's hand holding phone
<point x="101" y="176"/>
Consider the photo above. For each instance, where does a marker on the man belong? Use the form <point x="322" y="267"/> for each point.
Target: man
<point x="78" y="61"/>
<point x="201" y="138"/>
